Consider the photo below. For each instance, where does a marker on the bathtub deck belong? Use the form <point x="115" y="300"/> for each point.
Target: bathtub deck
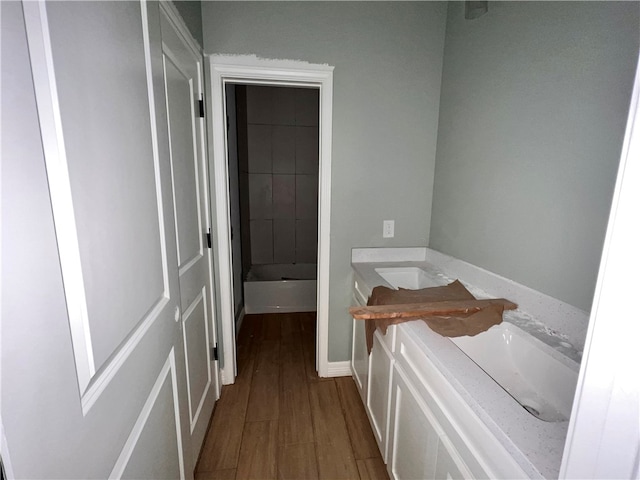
<point x="280" y="420"/>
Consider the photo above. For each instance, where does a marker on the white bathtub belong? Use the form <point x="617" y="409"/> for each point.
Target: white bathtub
<point x="281" y="288"/>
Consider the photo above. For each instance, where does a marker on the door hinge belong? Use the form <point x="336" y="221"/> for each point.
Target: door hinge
<point x="201" y="106"/>
<point x="214" y="352"/>
<point x="209" y="239"/>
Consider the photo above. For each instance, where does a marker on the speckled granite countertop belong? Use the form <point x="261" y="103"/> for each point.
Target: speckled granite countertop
<point x="534" y="444"/>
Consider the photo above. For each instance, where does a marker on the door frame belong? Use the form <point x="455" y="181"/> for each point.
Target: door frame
<point x="249" y="69"/>
<point x="603" y="434"/>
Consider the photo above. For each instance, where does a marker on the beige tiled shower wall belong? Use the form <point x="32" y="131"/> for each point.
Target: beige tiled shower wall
<point x="282" y="174"/>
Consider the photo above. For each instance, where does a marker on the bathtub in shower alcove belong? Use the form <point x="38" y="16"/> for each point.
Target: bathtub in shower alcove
<point x="281" y="288"/>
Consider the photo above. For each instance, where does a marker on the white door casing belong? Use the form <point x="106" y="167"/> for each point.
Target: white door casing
<point x="247" y="69"/>
<point x="182" y="68"/>
<point x="97" y="78"/>
<point x="603" y="438"/>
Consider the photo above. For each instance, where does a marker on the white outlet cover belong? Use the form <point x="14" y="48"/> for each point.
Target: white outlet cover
<point x="388" y="227"/>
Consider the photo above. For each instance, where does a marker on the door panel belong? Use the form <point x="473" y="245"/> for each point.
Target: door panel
<point x="112" y="168"/>
<point x="183" y="87"/>
<point x="196" y="345"/>
<point x="180" y="103"/>
<point x="93" y="362"/>
<point x="158" y="426"/>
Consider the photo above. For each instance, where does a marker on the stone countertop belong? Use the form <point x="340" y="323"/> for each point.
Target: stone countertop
<point x="536" y="445"/>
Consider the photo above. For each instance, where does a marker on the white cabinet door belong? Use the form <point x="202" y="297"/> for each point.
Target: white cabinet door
<point x="418" y="447"/>
<point x="93" y="372"/>
<point x="380" y="371"/>
<point x="449" y="464"/>
<point x="413" y="440"/>
<point x="182" y="65"/>
<point x="360" y="359"/>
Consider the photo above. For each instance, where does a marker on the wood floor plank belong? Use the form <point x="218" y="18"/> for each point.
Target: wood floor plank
<point x="245" y="363"/>
<point x="222" y="443"/>
<point x="258" y="451"/>
<point x="308" y="321"/>
<point x="335" y="464"/>
<point x="294" y="421"/>
<point x="228" y="474"/>
<point x="333" y="446"/>
<point x="271" y="330"/>
<point x="245" y="359"/>
<point x="247" y="347"/>
<point x="263" y="399"/>
<point x="297" y="462"/>
<point x="362" y="439"/>
<point x="309" y="350"/>
<point x="306" y="426"/>
<point x="372" y="469"/>
<point x="289" y="324"/>
<point x="248" y="329"/>
<point x="291" y="343"/>
<point x="328" y="419"/>
<point x="260" y="326"/>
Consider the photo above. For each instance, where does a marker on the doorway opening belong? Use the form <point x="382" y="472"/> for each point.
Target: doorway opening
<point x="273" y="164"/>
<point x="246" y="72"/>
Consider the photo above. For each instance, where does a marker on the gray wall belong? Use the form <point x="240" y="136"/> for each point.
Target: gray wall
<point x="532" y="116"/>
<point x="387" y="59"/>
<point x="190" y="11"/>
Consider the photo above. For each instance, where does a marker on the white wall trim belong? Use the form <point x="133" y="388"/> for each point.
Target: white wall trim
<point x="339" y="369"/>
<point x="46" y="91"/>
<point x="172" y="13"/>
<point x="251" y="69"/>
<point x="603" y="440"/>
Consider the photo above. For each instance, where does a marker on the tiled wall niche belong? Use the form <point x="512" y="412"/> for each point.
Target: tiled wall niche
<point x="279" y="173"/>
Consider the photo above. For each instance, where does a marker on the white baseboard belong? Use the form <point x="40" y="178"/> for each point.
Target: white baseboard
<point x="339" y="369"/>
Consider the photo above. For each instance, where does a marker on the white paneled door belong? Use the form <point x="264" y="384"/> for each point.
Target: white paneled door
<point x="106" y="312"/>
<point x="182" y="64"/>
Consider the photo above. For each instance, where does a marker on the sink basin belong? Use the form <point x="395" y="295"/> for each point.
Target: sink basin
<point x="538" y="377"/>
<point x="407" y="277"/>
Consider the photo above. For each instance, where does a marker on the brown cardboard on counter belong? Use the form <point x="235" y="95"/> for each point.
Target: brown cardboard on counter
<point x="448" y="326"/>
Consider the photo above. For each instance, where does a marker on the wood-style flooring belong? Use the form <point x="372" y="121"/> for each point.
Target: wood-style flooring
<point x="280" y="420"/>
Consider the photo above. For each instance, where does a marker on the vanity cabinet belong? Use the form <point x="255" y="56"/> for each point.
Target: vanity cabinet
<point x="424" y="428"/>
<point x="435" y="411"/>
